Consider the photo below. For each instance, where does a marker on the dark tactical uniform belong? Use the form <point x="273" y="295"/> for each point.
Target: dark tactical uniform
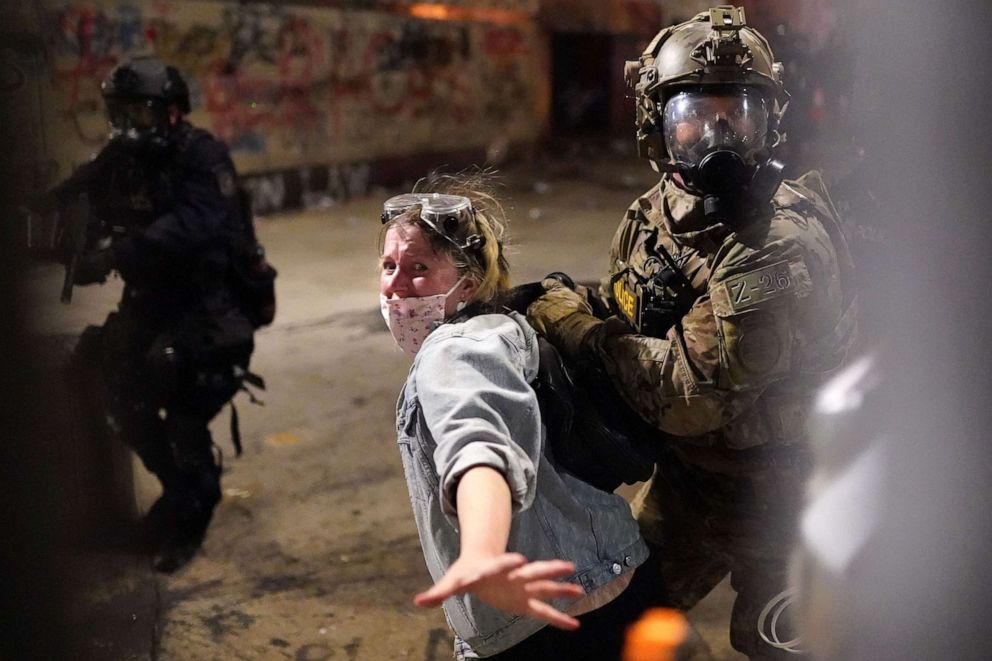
<point x="174" y="351"/>
<point x="764" y="314"/>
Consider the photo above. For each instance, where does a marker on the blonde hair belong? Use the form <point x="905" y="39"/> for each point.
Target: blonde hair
<point x="487" y="266"/>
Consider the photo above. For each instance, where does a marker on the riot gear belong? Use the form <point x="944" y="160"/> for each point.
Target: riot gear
<point x="709" y="102"/>
<point x="731" y="300"/>
<point x="166" y="215"/>
<point x="138" y="94"/>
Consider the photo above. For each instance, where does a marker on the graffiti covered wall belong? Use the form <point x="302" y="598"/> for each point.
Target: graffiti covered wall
<point x="291" y="86"/>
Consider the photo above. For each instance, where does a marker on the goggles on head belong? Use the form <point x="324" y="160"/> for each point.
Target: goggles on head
<point x="451" y="216"/>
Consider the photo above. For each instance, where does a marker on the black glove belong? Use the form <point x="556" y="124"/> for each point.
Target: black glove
<point x="93" y="267"/>
<point x="563" y="278"/>
<point x="520" y="297"/>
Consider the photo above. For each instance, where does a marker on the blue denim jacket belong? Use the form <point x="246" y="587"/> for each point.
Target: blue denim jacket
<point x="468" y="402"/>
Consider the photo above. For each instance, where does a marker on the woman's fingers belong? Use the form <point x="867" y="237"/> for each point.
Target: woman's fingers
<point x="450" y="584"/>
<point x="545" y="590"/>
<point x="463" y="576"/>
<point x="437" y="593"/>
<point x="501" y="564"/>
<point x="555" y="618"/>
<point x="542" y="569"/>
<point x="509" y="578"/>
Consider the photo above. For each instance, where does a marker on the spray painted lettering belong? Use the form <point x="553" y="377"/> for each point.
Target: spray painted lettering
<point x="288" y="86"/>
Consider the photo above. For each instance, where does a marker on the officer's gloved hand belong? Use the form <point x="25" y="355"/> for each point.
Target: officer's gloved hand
<point x="563" y="316"/>
<point x="93" y="267"/>
<point x="599" y="307"/>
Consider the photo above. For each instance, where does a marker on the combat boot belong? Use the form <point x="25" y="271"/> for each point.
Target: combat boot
<point x="198" y="494"/>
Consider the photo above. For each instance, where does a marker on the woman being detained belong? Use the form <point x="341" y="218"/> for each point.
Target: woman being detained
<point x="499" y="523"/>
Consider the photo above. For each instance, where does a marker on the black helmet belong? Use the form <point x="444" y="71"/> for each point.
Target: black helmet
<point x="147" y="77"/>
<point x="138" y="94"/>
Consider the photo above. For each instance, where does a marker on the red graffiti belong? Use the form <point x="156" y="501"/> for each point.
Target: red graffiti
<point x="84" y="36"/>
<point x="413" y="87"/>
<point x="502" y="42"/>
<point x="241" y="105"/>
<point x="262" y="68"/>
<point x="301" y="52"/>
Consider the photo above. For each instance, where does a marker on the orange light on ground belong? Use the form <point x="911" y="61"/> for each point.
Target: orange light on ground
<point x="657" y="636"/>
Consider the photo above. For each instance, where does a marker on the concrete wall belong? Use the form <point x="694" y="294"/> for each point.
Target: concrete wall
<point x="293" y="87"/>
<point x="623" y="16"/>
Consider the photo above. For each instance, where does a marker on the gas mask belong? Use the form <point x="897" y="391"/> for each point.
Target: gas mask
<point x="718" y="142"/>
<point x="138" y="122"/>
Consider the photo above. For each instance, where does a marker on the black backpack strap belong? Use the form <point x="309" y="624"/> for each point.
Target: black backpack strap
<point x="554" y="394"/>
<point x="255" y="380"/>
<point x="235" y="430"/>
<point x="591" y="432"/>
<point x="252" y="379"/>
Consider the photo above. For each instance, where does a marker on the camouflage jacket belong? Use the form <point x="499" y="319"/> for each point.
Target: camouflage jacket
<point x="773" y="315"/>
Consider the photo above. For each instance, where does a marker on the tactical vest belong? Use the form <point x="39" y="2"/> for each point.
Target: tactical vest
<point x="252" y="278"/>
<point x="249" y="275"/>
<point x="649" y="291"/>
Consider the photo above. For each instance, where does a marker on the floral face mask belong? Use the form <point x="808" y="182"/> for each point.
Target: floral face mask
<point x="412" y="319"/>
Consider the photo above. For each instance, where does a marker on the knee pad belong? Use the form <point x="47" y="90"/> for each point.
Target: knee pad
<point x="88" y="352"/>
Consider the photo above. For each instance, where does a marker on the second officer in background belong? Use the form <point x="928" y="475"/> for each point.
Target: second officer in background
<point x="166" y="217"/>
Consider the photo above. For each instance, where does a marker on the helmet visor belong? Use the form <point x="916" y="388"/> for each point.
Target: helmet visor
<point x="134" y="114"/>
<point x="698" y="122"/>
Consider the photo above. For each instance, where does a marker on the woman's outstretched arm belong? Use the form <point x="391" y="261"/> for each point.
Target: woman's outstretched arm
<point x="503" y="580"/>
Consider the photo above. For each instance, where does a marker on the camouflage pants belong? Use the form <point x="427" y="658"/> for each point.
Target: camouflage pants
<point x="702" y="525"/>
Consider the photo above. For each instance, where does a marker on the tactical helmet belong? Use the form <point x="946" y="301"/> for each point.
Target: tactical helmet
<point x="714" y="48"/>
<point x="147" y="77"/>
<point x="138" y="94"/>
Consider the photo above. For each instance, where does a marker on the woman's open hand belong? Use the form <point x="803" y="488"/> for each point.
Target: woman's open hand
<point x="508" y="582"/>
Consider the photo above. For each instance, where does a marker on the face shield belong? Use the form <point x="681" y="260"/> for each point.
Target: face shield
<point x="451" y="216"/>
<point x="697" y="123"/>
<point x="135" y="119"/>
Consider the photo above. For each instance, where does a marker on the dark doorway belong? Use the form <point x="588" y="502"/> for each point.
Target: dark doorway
<point x="582" y="83"/>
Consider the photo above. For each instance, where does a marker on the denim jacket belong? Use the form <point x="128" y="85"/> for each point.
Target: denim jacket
<point x="468" y="402"/>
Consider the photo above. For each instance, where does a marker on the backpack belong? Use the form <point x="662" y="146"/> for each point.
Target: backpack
<point x="251" y="276"/>
<point x="592" y="433"/>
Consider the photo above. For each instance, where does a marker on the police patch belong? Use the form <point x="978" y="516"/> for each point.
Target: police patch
<point x="625" y="299"/>
<point x="225" y="181"/>
<point x="759" y="348"/>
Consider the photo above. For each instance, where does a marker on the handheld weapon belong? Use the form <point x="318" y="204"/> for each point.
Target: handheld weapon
<point x="75" y="224"/>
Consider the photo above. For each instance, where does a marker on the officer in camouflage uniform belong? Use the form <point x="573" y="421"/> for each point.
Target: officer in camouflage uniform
<point x="165" y="209"/>
<point x="732" y="297"/>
